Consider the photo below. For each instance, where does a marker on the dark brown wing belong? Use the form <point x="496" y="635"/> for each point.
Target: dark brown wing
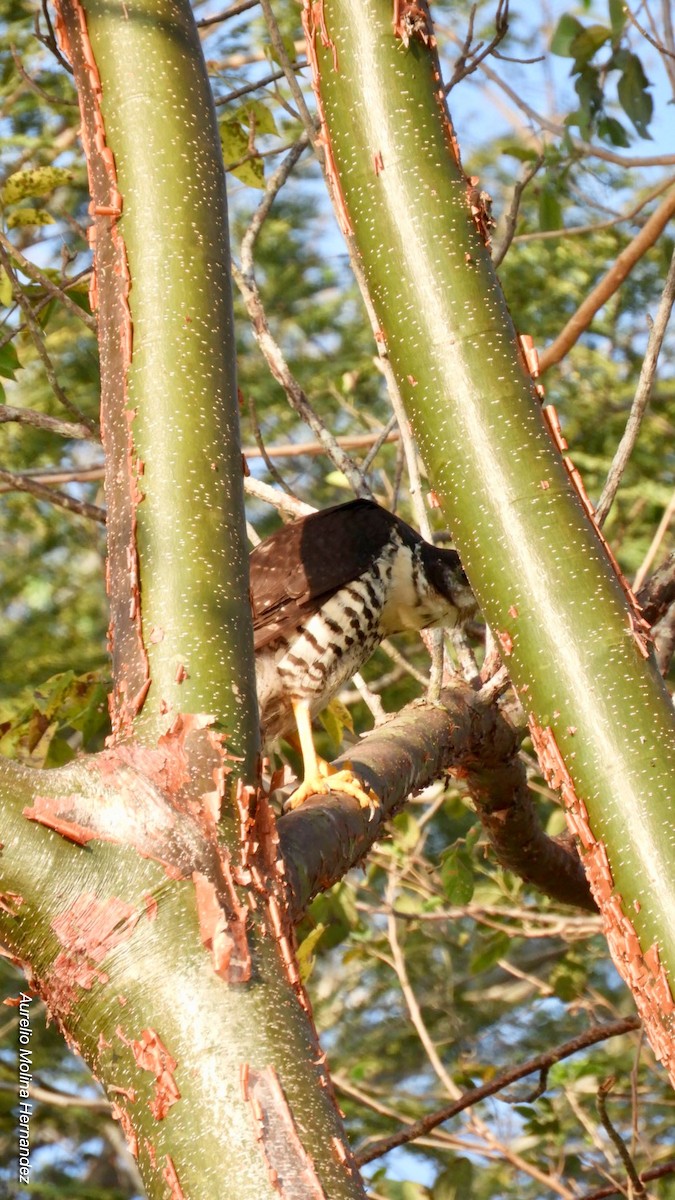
<point x="297" y="569"/>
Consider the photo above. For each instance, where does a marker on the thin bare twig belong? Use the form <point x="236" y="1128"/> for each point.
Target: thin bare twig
<point x="602" y="1193"/>
<point x="469" y="60"/>
<point x="35" y="87"/>
<point x="615" y="1137"/>
<point x="39" y="343"/>
<point x="233" y="11"/>
<point x="62" y="1099"/>
<point x="296" y="91"/>
<point x="256" y="85"/>
<point x="642" y="394"/>
<point x="29" y="416"/>
<point x="272" y="188"/>
<point x="285" y="504"/>
<point x="597" y="1033"/>
<point x="649" y="557"/>
<point x="646" y="34"/>
<point x="50" y="40"/>
<point x="23" y="483"/>
<point x="554" y="127"/>
<point x="276" y="475"/>
<point x="38" y="276"/>
<point x="511" y="218"/>
<point x="51" y="476"/>
<point x="540" y="235"/>
<point x="370" y="699"/>
<point x="295" y="393"/>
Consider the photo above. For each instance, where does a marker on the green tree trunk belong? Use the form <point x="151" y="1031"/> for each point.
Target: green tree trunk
<point x="142" y="890"/>
<point x="600" y="713"/>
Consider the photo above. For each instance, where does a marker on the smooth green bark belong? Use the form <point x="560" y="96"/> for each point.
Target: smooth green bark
<point x="181" y="383"/>
<point x="537" y="566"/>
<point x="238" y="1102"/>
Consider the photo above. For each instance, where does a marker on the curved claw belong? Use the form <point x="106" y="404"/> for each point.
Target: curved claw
<point x="334" y="781"/>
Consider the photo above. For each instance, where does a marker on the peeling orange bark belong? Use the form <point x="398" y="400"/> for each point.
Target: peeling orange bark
<point x="643" y="972"/>
<point x="314" y="24"/>
<point x="10" y="902"/>
<point x="152" y="1055"/>
<point x="290" y="1168"/>
<point x="110" y="287"/>
<point x="120" y="1114"/>
<point x="88" y="930"/>
<point x="171" y="1176"/>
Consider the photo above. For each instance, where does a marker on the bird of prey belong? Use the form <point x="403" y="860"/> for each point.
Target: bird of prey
<point x="325" y="591"/>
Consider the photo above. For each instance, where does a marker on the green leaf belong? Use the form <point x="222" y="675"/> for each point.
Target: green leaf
<point x="9" y="361"/>
<point x="406" y="831"/>
<point x="568" y="979"/>
<point x="257" y="115"/>
<point x="617" y="16"/>
<point x="456" y="876"/>
<point x="456" y="1182"/>
<point x="289" y="47"/>
<point x="522" y="153"/>
<point x="5" y="288"/>
<point x="306" y="956"/>
<point x="39" y="181"/>
<point x="588" y="42"/>
<point x="490" y="950"/>
<point x="550" y="210"/>
<point x="22" y="217"/>
<point x="338" y="479"/>
<point x="613" y="131"/>
<point x="335" y="718"/>
<point x="235" y="143"/>
<point x="634" y="97"/>
<point x="567" y="29"/>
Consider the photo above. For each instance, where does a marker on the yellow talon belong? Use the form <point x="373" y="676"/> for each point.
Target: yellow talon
<point x="320" y="776"/>
<point x="328" y="780"/>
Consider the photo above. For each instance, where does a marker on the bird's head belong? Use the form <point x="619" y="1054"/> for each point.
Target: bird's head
<point x="445" y="575"/>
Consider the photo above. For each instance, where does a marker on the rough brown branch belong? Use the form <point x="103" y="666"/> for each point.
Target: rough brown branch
<point x="328" y="835"/>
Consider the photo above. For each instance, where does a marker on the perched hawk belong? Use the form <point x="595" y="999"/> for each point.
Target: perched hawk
<point x="325" y="591"/>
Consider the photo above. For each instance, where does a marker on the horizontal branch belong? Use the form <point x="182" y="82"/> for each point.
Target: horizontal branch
<point x="23" y="483"/>
<point x="328" y="835"/>
<point x="40" y="420"/>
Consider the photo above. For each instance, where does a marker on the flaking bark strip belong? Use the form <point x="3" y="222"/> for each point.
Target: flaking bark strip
<point x="152" y="1055"/>
<point x="222" y="925"/>
<point x="314" y="24"/>
<point x="643" y="971"/>
<point x="290" y="1168"/>
<point x="126" y="1123"/>
<point x="10" y="902"/>
<point x="88" y="930"/>
<point x="171" y="1176"/>
<point x="110" y="297"/>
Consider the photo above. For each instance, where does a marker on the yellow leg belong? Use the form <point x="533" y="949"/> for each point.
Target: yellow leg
<point x="320" y="776"/>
